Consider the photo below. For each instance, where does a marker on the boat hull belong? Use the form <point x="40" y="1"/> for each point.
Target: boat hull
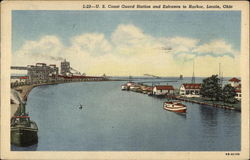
<point x="178" y="110"/>
<point x="24" y="136"/>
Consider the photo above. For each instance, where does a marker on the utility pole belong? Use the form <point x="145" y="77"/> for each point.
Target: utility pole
<point x="220" y="75"/>
<point x="193" y="78"/>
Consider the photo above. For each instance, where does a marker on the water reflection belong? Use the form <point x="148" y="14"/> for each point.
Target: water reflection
<point x="29" y="148"/>
<point x="209" y="122"/>
<point x="209" y="115"/>
<point x="182" y="115"/>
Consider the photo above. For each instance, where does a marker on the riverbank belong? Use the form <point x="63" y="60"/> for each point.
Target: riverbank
<point x="217" y="104"/>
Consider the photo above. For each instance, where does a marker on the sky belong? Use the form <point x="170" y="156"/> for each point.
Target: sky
<point x="122" y="43"/>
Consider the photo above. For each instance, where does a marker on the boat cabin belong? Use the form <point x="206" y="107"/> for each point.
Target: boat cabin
<point x="20" y="120"/>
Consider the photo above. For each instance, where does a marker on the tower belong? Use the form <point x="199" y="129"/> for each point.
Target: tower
<point x="65" y="67"/>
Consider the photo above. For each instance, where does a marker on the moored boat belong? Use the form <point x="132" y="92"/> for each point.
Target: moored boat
<point x="175" y="106"/>
<point x="23" y="130"/>
<point x="125" y="87"/>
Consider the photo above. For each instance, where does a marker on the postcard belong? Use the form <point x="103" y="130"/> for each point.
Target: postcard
<point x="124" y="80"/>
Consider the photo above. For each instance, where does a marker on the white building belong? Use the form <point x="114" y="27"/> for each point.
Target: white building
<point x="190" y="89"/>
<point x="162" y="90"/>
<point x="238" y="94"/>
<point x="234" y="82"/>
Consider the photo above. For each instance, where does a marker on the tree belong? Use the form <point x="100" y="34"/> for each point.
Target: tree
<point x="228" y="94"/>
<point x="211" y="88"/>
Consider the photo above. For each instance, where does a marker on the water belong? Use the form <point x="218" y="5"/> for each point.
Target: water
<point x="115" y="120"/>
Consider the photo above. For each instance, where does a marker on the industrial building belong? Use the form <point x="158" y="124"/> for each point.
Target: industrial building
<point x="42" y="72"/>
<point x="65" y="68"/>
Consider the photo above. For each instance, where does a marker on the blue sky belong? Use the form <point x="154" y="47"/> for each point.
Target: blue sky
<point x="130" y="42"/>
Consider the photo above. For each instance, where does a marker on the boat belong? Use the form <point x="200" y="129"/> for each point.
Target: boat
<point x="175" y="106"/>
<point x="23" y="130"/>
<point x="125" y="87"/>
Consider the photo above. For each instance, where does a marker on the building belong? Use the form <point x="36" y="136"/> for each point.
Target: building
<point x="42" y="72"/>
<point x="238" y="92"/>
<point x="146" y="89"/>
<point x="23" y="78"/>
<point x="163" y="90"/>
<point x="190" y="89"/>
<point x="234" y="82"/>
<point x="65" y="68"/>
<point x="16" y="79"/>
<point x="54" y="71"/>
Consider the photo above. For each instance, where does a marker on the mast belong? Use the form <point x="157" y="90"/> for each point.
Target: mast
<point x="22" y="106"/>
<point x="220" y="75"/>
<point x="193" y="78"/>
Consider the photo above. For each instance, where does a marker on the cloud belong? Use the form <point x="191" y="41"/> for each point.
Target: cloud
<point x="215" y="48"/>
<point x="129" y="39"/>
<point x="182" y="44"/>
<point x="128" y="35"/>
<point x="48" y="47"/>
<point x="93" y="44"/>
<point x="130" y="51"/>
<point x="185" y="56"/>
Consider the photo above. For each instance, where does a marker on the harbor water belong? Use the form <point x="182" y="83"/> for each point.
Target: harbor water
<point x="115" y="120"/>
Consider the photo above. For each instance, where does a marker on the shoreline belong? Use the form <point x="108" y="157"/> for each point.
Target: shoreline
<point x="23" y="92"/>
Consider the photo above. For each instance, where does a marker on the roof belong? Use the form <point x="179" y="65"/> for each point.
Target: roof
<point x="234" y="80"/>
<point x="24" y="77"/>
<point x="149" y="88"/>
<point x="164" y="87"/>
<point x="238" y="90"/>
<point x="192" y="85"/>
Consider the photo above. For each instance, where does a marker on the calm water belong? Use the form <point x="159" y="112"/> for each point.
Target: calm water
<point x="115" y="120"/>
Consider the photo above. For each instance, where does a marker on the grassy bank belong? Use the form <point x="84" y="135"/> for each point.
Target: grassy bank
<point x="236" y="106"/>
